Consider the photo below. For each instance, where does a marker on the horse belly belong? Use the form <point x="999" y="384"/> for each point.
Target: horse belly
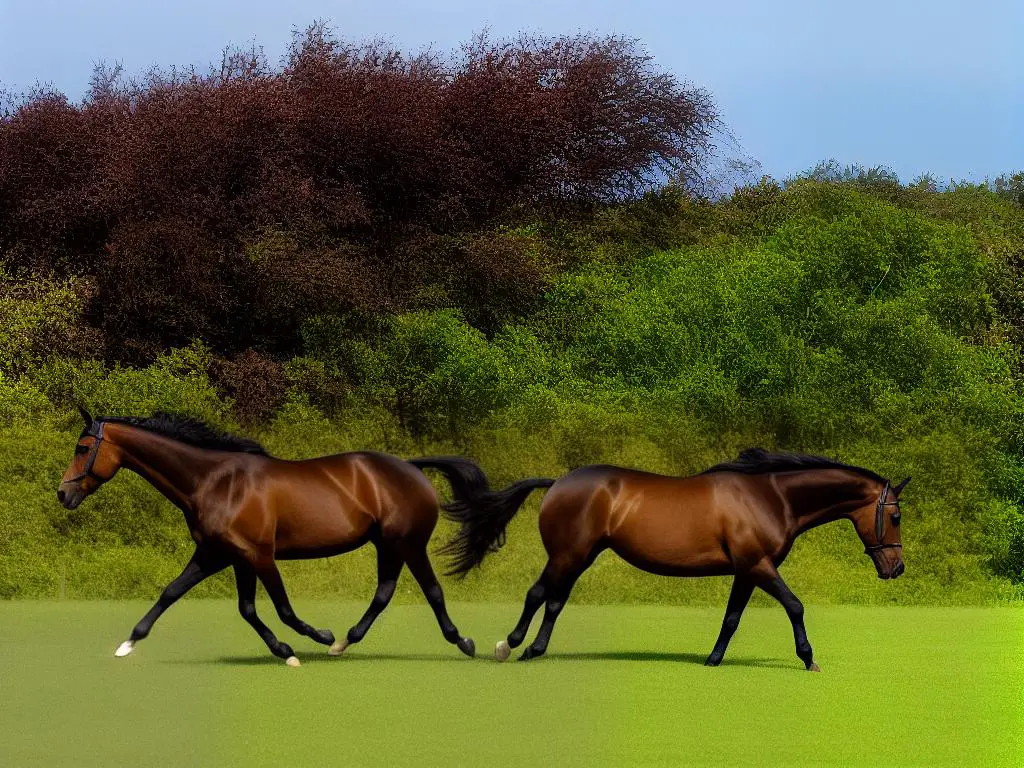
<point x="679" y="550"/>
<point x="320" y="528"/>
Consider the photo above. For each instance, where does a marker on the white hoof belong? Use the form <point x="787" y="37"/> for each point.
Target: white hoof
<point x="292" y="661"/>
<point x="338" y="648"/>
<point x="502" y="650"/>
<point x="125" y="648"/>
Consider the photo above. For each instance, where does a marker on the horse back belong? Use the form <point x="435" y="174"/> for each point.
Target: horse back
<point x="333" y="503"/>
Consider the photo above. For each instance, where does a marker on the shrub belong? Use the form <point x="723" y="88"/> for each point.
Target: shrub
<point x="254" y="383"/>
<point x="436" y="373"/>
<point x="816" y="316"/>
<point x="177" y="382"/>
<point x="40" y="318"/>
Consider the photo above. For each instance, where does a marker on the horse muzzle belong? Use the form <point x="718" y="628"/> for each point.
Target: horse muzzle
<point x="70" y="495"/>
<point x="888" y="560"/>
<point x="890" y="571"/>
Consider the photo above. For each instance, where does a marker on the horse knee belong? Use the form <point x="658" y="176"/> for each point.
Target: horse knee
<point x="384" y="594"/>
<point x="554" y="607"/>
<point x="731" y="622"/>
<point x="171" y="594"/>
<point x="286" y="614"/>
<point x="434" y="594"/>
<point x="796" y="610"/>
<point x="248" y="611"/>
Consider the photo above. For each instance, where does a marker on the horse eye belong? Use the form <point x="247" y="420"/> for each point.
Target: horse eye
<point x="895" y="518"/>
<point x="80" y="449"/>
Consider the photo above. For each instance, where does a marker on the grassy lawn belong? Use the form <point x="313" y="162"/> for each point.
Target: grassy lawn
<point x="622" y="685"/>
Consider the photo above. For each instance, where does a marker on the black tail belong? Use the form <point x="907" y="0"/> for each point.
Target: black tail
<point x="482" y="514"/>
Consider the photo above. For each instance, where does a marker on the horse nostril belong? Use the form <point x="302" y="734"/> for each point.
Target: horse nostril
<point x="60" y="496"/>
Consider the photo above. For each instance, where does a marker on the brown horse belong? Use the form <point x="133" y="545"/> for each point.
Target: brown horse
<point x="739" y="518"/>
<point x="247" y="509"/>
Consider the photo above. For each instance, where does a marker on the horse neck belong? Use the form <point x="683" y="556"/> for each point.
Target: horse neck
<point x="821" y="496"/>
<point x="172" y="467"/>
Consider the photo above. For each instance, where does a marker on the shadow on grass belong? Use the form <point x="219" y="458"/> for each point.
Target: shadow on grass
<point x="270" y="661"/>
<point x="593" y="656"/>
<point x="675" y="658"/>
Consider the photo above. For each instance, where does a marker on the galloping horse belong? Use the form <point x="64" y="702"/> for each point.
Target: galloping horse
<point x="247" y="509"/>
<point x="738" y="518"/>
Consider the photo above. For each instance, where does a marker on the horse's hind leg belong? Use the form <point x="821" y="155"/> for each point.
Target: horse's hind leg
<point x="742" y="589"/>
<point x="558" y="579"/>
<point x="534" y="600"/>
<point x="204" y="563"/>
<point x="245" y="580"/>
<point x="419" y="564"/>
<point x="389" y="566"/>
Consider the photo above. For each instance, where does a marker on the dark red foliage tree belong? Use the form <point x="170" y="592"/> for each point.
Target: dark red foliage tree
<point x="230" y="205"/>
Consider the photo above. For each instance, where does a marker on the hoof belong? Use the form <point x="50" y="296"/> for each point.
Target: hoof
<point x="502" y="650"/>
<point x="338" y="648"/>
<point x="467" y="646"/>
<point x="529" y="653"/>
<point x="324" y="637"/>
<point x="712" y="662"/>
<point x="125" y="648"/>
<point x="814" y="668"/>
<point x="292" y="661"/>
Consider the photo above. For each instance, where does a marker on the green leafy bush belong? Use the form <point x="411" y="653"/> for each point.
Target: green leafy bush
<point x="874" y="323"/>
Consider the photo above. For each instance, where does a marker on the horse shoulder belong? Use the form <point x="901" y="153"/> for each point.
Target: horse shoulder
<point x="228" y="502"/>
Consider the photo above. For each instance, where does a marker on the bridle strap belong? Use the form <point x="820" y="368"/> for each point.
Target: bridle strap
<point x="883" y="502"/>
<point x="880" y="512"/>
<point x="877" y="547"/>
<point x="97" y="433"/>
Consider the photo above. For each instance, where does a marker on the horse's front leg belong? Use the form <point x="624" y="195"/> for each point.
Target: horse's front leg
<point x="742" y="589"/>
<point x="245" y="580"/>
<point x="768" y="579"/>
<point x="270" y="577"/>
<point x="204" y="563"/>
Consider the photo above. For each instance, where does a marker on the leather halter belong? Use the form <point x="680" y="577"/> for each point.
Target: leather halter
<point x="883" y="502"/>
<point x="94" y="430"/>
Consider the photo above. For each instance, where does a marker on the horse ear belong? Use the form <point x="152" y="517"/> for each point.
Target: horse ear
<point x="85" y="417"/>
<point x="900" y="487"/>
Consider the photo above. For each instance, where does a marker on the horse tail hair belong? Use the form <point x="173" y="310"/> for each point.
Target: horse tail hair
<point x="482" y="514"/>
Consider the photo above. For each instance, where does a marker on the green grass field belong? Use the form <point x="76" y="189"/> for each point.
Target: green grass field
<point x="621" y="685"/>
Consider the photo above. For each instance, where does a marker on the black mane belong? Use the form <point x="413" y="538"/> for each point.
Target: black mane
<point x="758" y="461"/>
<point x="191" y="431"/>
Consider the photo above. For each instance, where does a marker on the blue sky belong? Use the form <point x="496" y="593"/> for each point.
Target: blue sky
<point x="935" y="85"/>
